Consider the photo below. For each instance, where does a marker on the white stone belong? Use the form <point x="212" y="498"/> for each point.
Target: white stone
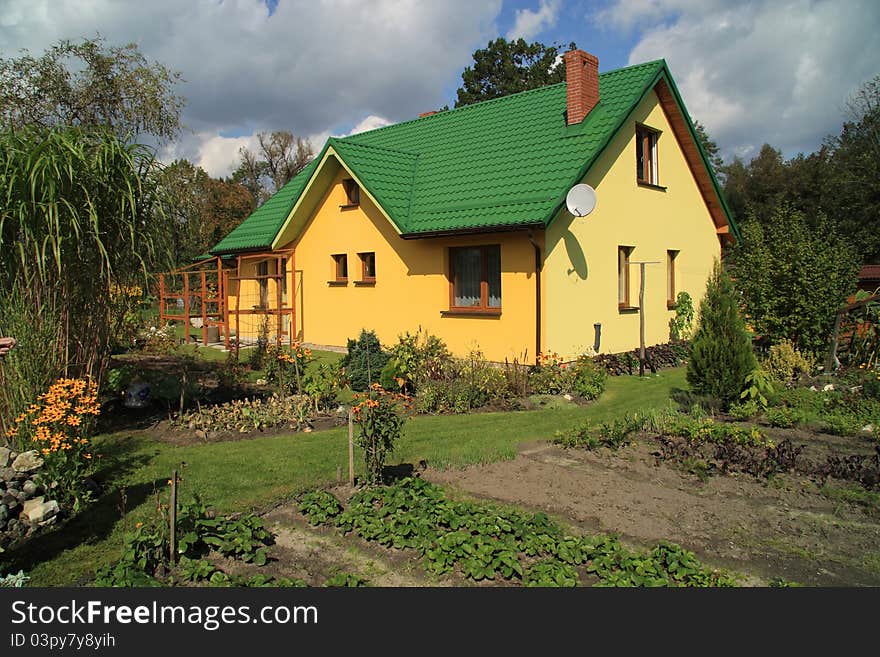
<point x="41" y="511"/>
<point x="827" y="387"/>
<point x="27" y="461"/>
<point x="5" y="456"/>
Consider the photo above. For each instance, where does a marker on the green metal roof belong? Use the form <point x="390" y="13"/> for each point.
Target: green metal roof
<point x="502" y="163"/>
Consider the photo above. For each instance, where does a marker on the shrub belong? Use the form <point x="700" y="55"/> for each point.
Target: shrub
<point x="483" y="381"/>
<point x="785" y="363"/>
<point x="614" y="434"/>
<point x="416" y="358"/>
<point x="380" y="419"/>
<point x="323" y="384"/>
<point x="794" y="274"/>
<point x="784" y="417"/>
<point x="744" y="410"/>
<point x="551" y="376"/>
<point x="589" y="378"/>
<point x="364" y="361"/>
<point x="721" y="351"/>
<point x="156" y="339"/>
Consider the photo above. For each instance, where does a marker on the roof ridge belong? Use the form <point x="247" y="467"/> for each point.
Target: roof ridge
<point x="483" y="103"/>
<point x="359" y="145"/>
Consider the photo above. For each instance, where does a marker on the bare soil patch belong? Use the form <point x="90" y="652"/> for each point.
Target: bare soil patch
<point x="782" y="527"/>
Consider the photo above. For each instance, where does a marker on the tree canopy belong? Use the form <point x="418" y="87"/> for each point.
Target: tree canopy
<point x="507" y="67"/>
<point x="89" y="84"/>
<point x="280" y="156"/>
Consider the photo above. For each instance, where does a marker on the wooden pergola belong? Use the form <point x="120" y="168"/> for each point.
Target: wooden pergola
<point x="201" y="291"/>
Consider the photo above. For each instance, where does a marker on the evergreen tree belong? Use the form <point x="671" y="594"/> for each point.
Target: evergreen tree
<point x="721" y="350"/>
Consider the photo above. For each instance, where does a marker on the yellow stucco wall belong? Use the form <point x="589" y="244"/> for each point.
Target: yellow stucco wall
<point x="412" y="285"/>
<point x="581" y="264"/>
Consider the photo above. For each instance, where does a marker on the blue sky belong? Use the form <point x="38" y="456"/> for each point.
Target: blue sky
<point x="752" y="71"/>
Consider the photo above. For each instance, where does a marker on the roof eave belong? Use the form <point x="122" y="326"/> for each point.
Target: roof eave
<point x="476" y="230"/>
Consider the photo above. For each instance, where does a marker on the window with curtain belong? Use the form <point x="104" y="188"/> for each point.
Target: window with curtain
<point x="475" y="276"/>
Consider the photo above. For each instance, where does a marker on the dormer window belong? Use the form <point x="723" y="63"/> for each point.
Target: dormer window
<point x="352" y="193"/>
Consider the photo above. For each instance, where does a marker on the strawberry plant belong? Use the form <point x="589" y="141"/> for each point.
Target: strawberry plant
<point x="482" y="541"/>
<point x="319" y="506"/>
<point x="346" y="580"/>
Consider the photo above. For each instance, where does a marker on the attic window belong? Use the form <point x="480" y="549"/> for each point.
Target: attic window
<point x="646" y="156"/>
<point x="352" y="193"/>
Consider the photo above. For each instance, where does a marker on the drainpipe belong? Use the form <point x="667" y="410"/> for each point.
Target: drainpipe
<point x="537" y="294"/>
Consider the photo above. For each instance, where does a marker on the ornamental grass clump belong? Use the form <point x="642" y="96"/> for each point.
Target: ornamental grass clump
<point x="58" y="427"/>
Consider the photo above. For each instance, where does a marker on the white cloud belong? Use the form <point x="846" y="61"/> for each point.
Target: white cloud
<point x="310" y="67"/>
<point x="759" y="71"/>
<point x="529" y="24"/>
<point x="371" y="122"/>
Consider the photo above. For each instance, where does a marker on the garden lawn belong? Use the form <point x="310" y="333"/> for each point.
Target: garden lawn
<point x="254" y="473"/>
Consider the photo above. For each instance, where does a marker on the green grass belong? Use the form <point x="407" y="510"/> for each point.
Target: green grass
<point x="249" y="474"/>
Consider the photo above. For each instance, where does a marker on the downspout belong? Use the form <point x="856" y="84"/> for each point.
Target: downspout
<point x="537" y="294"/>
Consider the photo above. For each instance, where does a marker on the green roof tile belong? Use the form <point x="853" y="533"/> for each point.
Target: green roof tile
<point x="503" y="162"/>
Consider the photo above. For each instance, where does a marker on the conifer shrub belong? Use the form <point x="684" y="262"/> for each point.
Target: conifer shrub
<point x="721" y="350"/>
<point x="364" y="362"/>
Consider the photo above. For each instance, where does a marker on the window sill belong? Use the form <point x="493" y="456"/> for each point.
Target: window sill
<point x="648" y="185"/>
<point x="366" y="283"/>
<point x="349" y="206"/>
<point x="337" y="283"/>
<point x="467" y="312"/>
<point x="627" y="309"/>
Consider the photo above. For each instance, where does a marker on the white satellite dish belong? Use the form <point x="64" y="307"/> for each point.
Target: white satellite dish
<point x="581" y="200"/>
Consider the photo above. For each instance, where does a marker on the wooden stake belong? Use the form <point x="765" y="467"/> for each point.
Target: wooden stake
<point x="642" y="320"/>
<point x="350" y="448"/>
<point x="186" y="306"/>
<point x="172" y="516"/>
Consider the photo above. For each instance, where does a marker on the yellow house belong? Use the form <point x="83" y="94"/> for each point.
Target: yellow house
<point x="456" y="222"/>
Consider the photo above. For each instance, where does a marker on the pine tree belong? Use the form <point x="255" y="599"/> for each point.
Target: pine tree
<point x="721" y="350"/>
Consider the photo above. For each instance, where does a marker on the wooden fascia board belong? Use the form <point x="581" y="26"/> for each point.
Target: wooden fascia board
<point x="694" y="157"/>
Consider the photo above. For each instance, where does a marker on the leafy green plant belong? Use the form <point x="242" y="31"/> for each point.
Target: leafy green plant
<point x="680" y="326"/>
<point x="323" y="384"/>
<point x="319" y="506"/>
<point x="783" y="417"/>
<point x="244" y="415"/>
<point x="484" y="541"/>
<point x="14" y="580"/>
<point x="589" y="378"/>
<point x="550" y="572"/>
<point x="744" y="410"/>
<point x="346" y="580"/>
<point x="758" y="386"/>
<point x="614" y="434"/>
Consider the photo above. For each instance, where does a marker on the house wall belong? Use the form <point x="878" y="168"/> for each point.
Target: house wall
<point x="412" y="284"/>
<point x="581" y="270"/>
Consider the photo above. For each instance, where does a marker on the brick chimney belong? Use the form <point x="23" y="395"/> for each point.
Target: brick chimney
<point x="582" y="81"/>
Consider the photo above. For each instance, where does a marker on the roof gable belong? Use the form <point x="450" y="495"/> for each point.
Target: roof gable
<point x="502" y="163"/>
